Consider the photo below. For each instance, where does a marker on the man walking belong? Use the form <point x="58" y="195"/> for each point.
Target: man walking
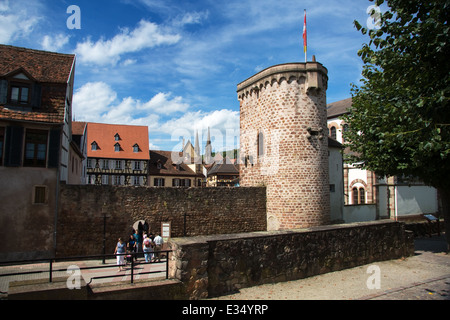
<point x="158" y="246"/>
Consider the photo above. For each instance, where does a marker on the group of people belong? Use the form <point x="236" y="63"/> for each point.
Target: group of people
<point x="147" y="243"/>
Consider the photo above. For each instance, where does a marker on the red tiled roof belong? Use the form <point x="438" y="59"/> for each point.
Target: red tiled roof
<point x="51" y="70"/>
<point x="43" y="66"/>
<point x="104" y="136"/>
<point x="78" y="127"/>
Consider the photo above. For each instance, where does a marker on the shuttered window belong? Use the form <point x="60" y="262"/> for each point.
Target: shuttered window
<point x="35" y="148"/>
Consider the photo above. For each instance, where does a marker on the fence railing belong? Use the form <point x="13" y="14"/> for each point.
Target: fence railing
<point x="51" y="268"/>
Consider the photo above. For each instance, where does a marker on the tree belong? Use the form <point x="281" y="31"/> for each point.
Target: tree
<point x="400" y="117"/>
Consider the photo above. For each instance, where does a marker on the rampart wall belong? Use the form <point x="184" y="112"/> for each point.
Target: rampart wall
<point x="190" y="211"/>
<point x="216" y="265"/>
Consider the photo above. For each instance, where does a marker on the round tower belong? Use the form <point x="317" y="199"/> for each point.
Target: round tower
<point x="284" y="144"/>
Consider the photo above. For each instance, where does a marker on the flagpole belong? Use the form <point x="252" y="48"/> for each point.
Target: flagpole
<point x="304" y="36"/>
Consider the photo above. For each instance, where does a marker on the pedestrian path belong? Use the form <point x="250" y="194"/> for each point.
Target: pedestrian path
<point x="96" y="268"/>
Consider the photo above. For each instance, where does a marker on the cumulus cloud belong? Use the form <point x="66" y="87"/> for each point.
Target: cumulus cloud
<point x="17" y="20"/>
<point x="54" y="43"/>
<point x="109" y="52"/>
<point x="165" y="115"/>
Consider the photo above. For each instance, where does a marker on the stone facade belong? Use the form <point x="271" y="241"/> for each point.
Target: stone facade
<point x="217" y="265"/>
<point x="283" y="142"/>
<point x="190" y="211"/>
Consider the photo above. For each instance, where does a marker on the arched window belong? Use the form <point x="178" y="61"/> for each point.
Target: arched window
<point x="345" y="129"/>
<point x="333" y="132"/>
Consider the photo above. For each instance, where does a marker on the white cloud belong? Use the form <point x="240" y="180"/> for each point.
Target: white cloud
<point x="54" y="43"/>
<point x="109" y="52"/>
<point x="92" y="100"/>
<point x="97" y="102"/>
<point x="16" y="21"/>
<point x="161" y="104"/>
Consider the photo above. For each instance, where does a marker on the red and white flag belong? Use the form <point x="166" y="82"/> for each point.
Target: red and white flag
<point x="304" y="36"/>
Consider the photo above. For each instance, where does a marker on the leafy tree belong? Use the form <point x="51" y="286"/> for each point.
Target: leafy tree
<point x="400" y="118"/>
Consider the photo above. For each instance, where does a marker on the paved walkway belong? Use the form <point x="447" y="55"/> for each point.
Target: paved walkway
<point x="63" y="269"/>
<point x="424" y="276"/>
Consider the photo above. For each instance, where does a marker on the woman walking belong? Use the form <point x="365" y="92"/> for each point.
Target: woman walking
<point x="120" y="252"/>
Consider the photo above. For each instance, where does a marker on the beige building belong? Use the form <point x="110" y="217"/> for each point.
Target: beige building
<point x="167" y="169"/>
<point x="36" y="90"/>
<point x="368" y="197"/>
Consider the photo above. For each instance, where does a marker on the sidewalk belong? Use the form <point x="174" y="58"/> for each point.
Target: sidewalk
<point x="424" y="276"/>
<point x="112" y="270"/>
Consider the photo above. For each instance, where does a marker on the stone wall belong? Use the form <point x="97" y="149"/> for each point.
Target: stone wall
<point x="194" y="211"/>
<point x="216" y="265"/>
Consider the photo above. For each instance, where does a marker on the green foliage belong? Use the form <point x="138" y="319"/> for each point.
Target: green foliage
<point x="400" y="118"/>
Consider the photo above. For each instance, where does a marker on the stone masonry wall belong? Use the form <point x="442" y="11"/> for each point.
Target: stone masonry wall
<point x="206" y="211"/>
<point x="216" y="265"/>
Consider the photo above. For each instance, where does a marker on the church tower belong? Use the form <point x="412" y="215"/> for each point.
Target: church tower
<point x="283" y="142"/>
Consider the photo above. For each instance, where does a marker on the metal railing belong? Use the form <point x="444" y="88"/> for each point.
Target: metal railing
<point x="52" y="261"/>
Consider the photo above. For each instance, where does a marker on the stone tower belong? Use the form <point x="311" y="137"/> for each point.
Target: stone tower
<point x="283" y="142"/>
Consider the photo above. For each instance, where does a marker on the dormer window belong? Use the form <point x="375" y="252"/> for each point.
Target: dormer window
<point x="117" y="137"/>
<point x="136" y="148"/>
<point x="20" y="94"/>
<point x="117" y="147"/>
<point x="94" y="146"/>
<point x="19" y="89"/>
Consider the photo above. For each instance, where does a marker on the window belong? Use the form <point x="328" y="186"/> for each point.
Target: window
<point x="105" y="165"/>
<point x="333" y="132"/>
<point x="260" y="144"/>
<point x="137" y="165"/>
<point x="118" y="164"/>
<point x="117" y="137"/>
<point x="136" y="180"/>
<point x="136" y="148"/>
<point x="20" y="94"/>
<point x="105" y="179"/>
<point x="118" y="180"/>
<point x="35" y="148"/>
<point x="359" y="195"/>
<point x="40" y="195"/>
<point x="362" y="196"/>
<point x="159" y="182"/>
<point x="94" y="146"/>
<point x="345" y="129"/>
<point x="117" y="147"/>
<point x="355" y="195"/>
<point x="89" y="163"/>
<point x="176" y="182"/>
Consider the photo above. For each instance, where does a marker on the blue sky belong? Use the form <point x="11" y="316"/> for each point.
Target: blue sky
<point x="174" y="65"/>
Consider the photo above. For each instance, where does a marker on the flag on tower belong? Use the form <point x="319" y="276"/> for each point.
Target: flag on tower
<point x="304" y="36"/>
